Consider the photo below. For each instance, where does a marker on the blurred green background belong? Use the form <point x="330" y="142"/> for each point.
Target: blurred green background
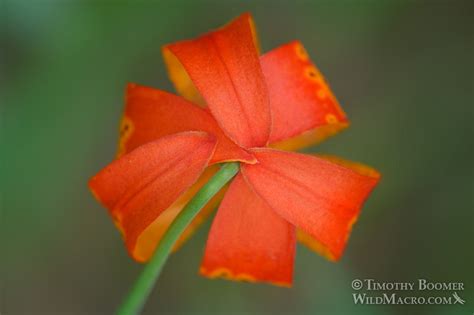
<point x="403" y="70"/>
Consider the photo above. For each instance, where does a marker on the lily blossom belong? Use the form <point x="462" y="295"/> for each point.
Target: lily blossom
<point x="235" y="105"/>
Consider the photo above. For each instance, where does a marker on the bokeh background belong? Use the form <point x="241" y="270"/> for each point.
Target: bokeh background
<point x="403" y="70"/>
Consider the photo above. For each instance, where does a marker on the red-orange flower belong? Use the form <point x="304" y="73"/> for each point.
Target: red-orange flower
<point x="237" y="106"/>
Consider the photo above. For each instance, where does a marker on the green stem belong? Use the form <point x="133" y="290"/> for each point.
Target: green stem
<point x="143" y="286"/>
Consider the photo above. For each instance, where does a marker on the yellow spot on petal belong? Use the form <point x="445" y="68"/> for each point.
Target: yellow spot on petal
<point x="311" y="73"/>
<point x="301" y="52"/>
<point x="314" y="75"/>
<point x="126" y="130"/>
<point x="331" y="119"/>
<point x="321" y="94"/>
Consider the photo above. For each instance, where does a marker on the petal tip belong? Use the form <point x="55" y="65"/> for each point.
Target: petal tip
<point x="227" y="274"/>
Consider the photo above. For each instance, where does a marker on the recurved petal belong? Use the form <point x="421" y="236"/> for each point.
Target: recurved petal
<point x="138" y="187"/>
<point x="321" y="198"/>
<point x="248" y="240"/>
<point x="360" y="168"/>
<point x="151" y="114"/>
<point x="225" y="69"/>
<point x="304" y="109"/>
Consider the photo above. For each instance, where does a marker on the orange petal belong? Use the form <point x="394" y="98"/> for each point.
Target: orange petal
<point x="320" y="197"/>
<point x="248" y="240"/>
<point x="142" y="184"/>
<point x="151" y="114"/>
<point x="304" y="110"/>
<point x="224" y="66"/>
<point x="360" y="168"/>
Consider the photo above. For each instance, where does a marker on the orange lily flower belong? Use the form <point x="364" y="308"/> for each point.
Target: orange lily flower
<point x="240" y="106"/>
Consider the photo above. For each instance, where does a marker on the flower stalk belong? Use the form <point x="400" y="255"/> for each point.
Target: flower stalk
<point x="136" y="298"/>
